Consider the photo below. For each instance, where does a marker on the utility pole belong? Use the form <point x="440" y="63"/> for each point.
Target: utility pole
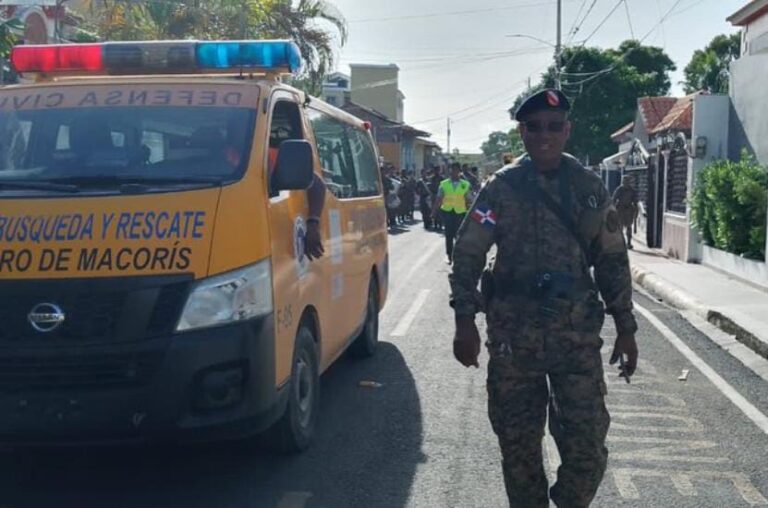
<point x="558" y="46"/>
<point x="449" y="136"/>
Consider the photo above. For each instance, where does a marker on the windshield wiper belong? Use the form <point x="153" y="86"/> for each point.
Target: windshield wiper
<point x="119" y="181"/>
<point x="38" y="185"/>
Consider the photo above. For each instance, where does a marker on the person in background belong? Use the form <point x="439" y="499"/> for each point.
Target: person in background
<point x="391" y="198"/>
<point x="452" y="202"/>
<point x="434" y="189"/>
<point x="425" y="199"/>
<point x="625" y="200"/>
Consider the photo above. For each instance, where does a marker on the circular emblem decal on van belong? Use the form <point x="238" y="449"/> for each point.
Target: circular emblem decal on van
<point x="46" y="317"/>
<point x="299" y="239"/>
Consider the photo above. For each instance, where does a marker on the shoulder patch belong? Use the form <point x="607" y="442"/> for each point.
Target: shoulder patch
<point x="483" y="215"/>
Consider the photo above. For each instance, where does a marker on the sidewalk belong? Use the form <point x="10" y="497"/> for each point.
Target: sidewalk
<point x="733" y="305"/>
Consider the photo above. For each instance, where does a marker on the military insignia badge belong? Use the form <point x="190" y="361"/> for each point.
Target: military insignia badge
<point x="612" y="221"/>
<point x="552" y="99"/>
<point x="484" y="216"/>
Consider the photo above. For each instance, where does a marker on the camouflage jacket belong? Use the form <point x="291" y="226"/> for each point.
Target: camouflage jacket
<point x="530" y="239"/>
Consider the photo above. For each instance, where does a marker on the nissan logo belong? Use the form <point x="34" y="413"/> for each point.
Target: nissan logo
<point x="46" y="317"/>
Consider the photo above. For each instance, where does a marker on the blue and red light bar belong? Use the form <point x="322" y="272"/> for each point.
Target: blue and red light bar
<point x="158" y="57"/>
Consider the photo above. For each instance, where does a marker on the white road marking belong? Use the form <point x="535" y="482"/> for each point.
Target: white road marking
<point x="414" y="268"/>
<point x="679" y="423"/>
<point x="683" y="482"/>
<point x="673" y="403"/>
<point x="735" y="397"/>
<point x="405" y="322"/>
<point x="671" y="450"/>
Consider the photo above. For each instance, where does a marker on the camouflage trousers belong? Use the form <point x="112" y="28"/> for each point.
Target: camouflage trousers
<point x="559" y="372"/>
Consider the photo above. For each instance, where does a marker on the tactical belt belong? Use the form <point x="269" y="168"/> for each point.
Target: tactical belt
<point x="545" y="285"/>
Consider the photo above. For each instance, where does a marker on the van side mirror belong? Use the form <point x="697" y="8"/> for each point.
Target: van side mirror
<point x="294" y="167"/>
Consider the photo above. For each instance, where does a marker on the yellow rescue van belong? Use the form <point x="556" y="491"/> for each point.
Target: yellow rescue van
<point x="154" y="283"/>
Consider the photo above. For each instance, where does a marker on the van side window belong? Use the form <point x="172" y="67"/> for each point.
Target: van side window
<point x="366" y="165"/>
<point x="347" y="156"/>
<point x="333" y="147"/>
<point x="285" y="125"/>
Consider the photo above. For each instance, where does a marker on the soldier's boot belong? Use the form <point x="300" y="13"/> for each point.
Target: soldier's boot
<point x="582" y="424"/>
<point x="517" y="409"/>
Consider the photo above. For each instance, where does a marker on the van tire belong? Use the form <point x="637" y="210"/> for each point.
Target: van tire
<point x="366" y="344"/>
<point x="294" y="431"/>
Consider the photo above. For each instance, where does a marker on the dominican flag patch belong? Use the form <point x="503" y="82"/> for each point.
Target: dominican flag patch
<point x="484" y="216"/>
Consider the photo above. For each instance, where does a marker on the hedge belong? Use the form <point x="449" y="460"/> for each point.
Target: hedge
<point x="729" y="206"/>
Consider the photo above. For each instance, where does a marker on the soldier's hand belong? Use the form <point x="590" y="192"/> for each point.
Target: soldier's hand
<point x="466" y="343"/>
<point x="313" y="242"/>
<point x="625" y="345"/>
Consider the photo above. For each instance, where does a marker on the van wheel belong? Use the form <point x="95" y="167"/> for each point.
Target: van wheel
<point x="293" y="432"/>
<point x="367" y="342"/>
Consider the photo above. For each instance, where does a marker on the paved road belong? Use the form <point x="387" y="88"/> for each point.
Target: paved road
<point x="423" y="439"/>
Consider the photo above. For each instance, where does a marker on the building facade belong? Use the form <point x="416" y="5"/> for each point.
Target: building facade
<point x="371" y="92"/>
<point x="377" y="87"/>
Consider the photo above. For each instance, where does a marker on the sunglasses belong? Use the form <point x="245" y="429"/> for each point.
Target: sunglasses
<point x="535" y="126"/>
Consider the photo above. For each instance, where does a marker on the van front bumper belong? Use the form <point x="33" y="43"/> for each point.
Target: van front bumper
<point x="203" y="385"/>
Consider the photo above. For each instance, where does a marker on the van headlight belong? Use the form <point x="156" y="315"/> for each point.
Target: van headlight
<point x="235" y="296"/>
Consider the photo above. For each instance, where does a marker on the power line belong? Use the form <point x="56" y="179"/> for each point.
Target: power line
<point x="603" y="22"/>
<point x="450" y="13"/>
<point x="576" y="30"/>
<point x="597" y="74"/>
<point x="663" y="30"/>
<point x="631" y="50"/>
<point x="629" y="19"/>
<point x="469" y="61"/>
<point x="599" y="26"/>
<point x="571" y="32"/>
<point x="453" y="57"/>
<point x="695" y="4"/>
<point x="484" y="105"/>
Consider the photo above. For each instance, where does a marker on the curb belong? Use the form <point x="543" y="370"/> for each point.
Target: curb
<point x="682" y="300"/>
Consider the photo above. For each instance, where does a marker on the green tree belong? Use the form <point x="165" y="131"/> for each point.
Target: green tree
<point x="314" y="25"/>
<point x="603" y="86"/>
<point x="8" y="30"/>
<point x="709" y="67"/>
<point x="500" y="142"/>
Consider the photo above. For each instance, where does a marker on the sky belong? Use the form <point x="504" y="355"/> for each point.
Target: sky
<point x="456" y="58"/>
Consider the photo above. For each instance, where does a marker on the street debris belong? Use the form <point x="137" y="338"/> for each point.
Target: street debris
<point x="684" y="375"/>
<point x="370" y="384"/>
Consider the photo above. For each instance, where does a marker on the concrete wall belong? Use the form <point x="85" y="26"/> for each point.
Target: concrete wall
<point x="755" y="272"/>
<point x="749" y="126"/>
<point x="749" y="114"/>
<point x="390" y="152"/>
<point x="674" y="236"/>
<point x="408" y="153"/>
<point x="710" y="113"/>
<point x="419" y="155"/>
<point x="753" y="39"/>
<point x="375" y="86"/>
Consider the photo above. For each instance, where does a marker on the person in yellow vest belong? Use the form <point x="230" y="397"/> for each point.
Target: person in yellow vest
<point x="452" y="202"/>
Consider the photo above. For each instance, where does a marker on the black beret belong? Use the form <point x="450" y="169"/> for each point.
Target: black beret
<point x="549" y="99"/>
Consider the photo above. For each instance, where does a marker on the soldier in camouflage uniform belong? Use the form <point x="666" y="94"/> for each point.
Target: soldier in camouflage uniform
<point x="625" y="201"/>
<point x="543" y="311"/>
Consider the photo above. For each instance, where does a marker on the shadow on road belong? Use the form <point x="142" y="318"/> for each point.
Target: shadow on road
<point x="366" y="451"/>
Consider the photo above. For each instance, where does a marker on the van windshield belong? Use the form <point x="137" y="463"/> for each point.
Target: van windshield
<point x="98" y="145"/>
